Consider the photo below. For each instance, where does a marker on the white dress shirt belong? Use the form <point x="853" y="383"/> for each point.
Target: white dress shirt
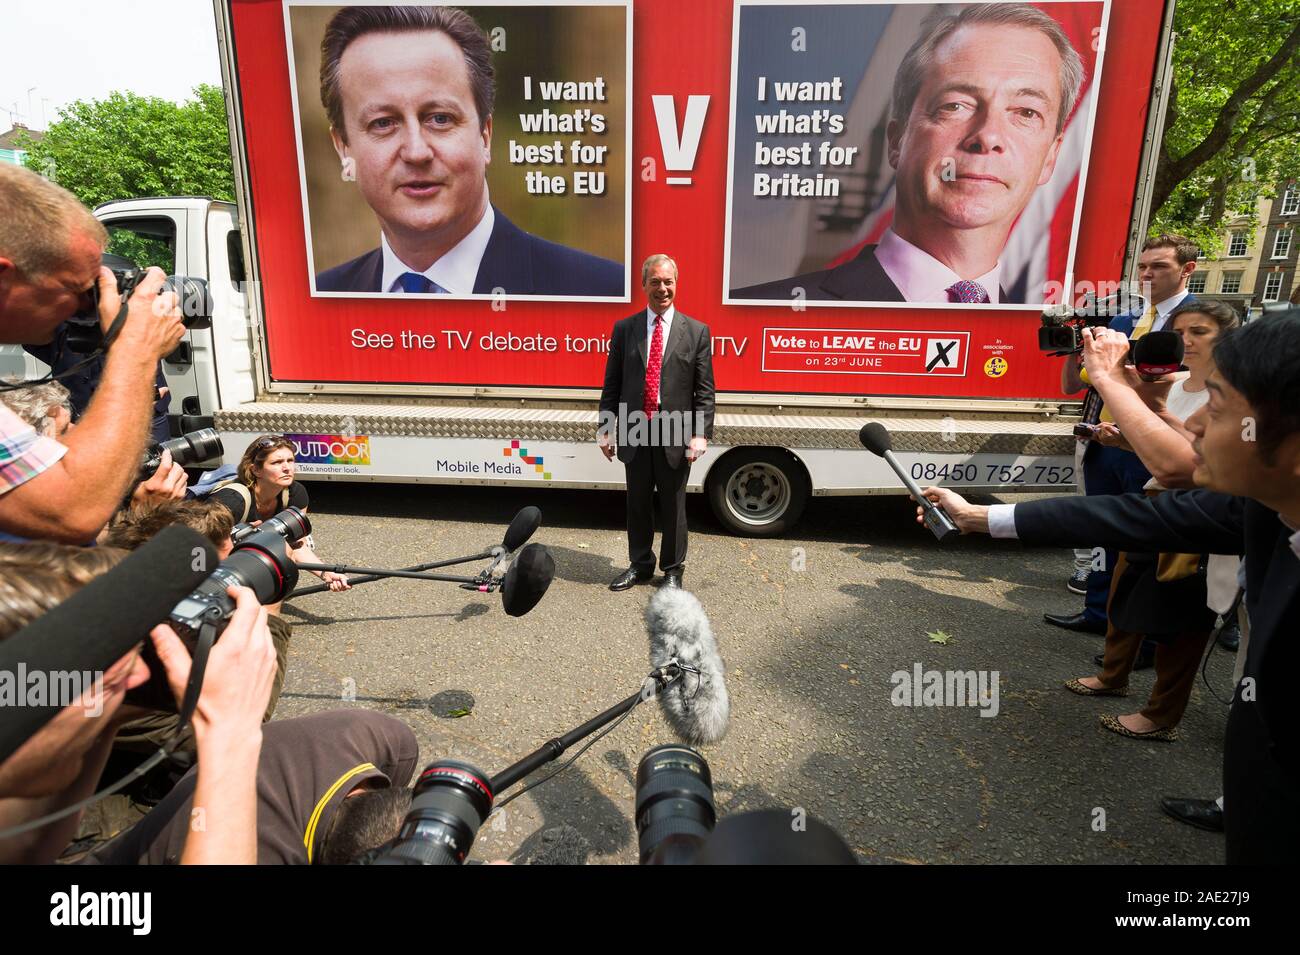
<point x="650" y="336"/>
<point x="456" y="271"/>
<point x="1164" y="308"/>
<point x="920" y="276"/>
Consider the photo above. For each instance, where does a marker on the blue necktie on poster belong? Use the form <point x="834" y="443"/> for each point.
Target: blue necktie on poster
<point x="415" y="282"/>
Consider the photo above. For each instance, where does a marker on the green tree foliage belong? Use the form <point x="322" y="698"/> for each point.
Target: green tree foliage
<point x="127" y="146"/>
<point x="1232" y="132"/>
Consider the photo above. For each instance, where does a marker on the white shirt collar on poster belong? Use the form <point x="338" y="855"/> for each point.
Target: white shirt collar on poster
<point x="456" y="271"/>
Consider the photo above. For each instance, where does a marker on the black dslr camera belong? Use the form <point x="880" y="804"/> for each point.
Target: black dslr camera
<point x="84" y="334"/>
<point x="259" y="561"/>
<point x="189" y="449"/>
<point x="1062" y="329"/>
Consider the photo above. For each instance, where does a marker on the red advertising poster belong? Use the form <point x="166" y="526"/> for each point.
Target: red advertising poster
<point x="862" y="198"/>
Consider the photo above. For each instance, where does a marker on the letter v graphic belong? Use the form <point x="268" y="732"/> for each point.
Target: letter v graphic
<point x="679" y="154"/>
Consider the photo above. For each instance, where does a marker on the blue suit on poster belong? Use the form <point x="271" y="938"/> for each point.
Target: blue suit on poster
<point x="514" y="261"/>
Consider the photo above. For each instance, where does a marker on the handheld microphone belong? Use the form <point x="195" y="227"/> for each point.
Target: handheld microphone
<point x="1158" y="353"/>
<point x="875" y="438"/>
<point x="696" y="706"/>
<point x="527" y="579"/>
<point x="100" y="623"/>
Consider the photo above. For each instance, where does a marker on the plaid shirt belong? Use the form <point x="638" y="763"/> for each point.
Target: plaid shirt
<point x="23" y="453"/>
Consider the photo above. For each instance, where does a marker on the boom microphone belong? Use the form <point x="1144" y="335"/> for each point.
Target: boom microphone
<point x="101" y="622"/>
<point x="1158" y="353"/>
<point x="696" y="706"/>
<point x="875" y="438"/>
<point x="527" y="579"/>
<point x="523" y="527"/>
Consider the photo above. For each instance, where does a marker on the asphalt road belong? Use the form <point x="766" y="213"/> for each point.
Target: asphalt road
<point x="811" y="629"/>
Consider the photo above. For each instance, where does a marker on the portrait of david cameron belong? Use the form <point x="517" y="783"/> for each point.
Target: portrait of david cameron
<point x="409" y="94"/>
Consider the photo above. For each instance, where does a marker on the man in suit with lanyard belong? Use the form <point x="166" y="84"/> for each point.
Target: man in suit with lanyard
<point x="1247" y="501"/>
<point x="656" y="407"/>
<point x="1166" y="263"/>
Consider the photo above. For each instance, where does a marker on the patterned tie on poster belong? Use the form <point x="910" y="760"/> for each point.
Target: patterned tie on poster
<point x="968" y="292"/>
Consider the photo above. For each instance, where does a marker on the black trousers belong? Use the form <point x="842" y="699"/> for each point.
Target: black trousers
<point x="648" y="472"/>
<point x="1261" y="802"/>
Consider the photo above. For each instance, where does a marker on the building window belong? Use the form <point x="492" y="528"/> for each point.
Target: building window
<point x="1196" y="283"/>
<point x="1282" y="244"/>
<point x="1231" y="282"/>
<point x="1291" y="201"/>
<point x="1272" y="287"/>
<point x="1237" y="244"/>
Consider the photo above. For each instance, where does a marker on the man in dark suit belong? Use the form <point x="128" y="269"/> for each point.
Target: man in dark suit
<point x="979" y="108"/>
<point x="656" y="408"/>
<point x="1247" y="439"/>
<point x="409" y="94"/>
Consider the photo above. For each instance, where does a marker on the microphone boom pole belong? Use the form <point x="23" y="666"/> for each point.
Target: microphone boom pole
<point x="318" y="588"/>
<point x="553" y="749"/>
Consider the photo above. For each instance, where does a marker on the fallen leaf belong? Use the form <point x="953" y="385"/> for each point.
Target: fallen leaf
<point x="938" y="636"/>
<point x="457" y="714"/>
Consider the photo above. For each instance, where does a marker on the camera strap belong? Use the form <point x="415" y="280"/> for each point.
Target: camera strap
<point x="115" y="329"/>
<point x="198" y="664"/>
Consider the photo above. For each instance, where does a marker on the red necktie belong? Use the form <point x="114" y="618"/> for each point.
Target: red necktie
<point x="653" y="366"/>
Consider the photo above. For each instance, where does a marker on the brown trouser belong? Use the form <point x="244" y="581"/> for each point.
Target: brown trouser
<point x="1178" y="657"/>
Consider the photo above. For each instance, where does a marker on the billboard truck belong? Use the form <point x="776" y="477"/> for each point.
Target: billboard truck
<point x="441" y="212"/>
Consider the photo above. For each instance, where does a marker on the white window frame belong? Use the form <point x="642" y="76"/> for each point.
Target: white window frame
<point x="1281" y="251"/>
<point x="1290" y="201"/>
<point x="1197" y="282"/>
<point x="1277" y="289"/>
<point x="1223" y="283"/>
<point x="1245" y="245"/>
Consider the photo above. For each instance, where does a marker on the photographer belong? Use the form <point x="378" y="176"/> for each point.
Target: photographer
<point x="1164" y="596"/>
<point x="1164" y="266"/>
<point x="59" y="765"/>
<point x="1246" y="441"/>
<point x="138" y="525"/>
<point x="50" y="248"/>
<point x="266" y="486"/>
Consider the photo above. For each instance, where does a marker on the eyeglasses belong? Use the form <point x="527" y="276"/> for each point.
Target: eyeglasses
<point x="271" y="440"/>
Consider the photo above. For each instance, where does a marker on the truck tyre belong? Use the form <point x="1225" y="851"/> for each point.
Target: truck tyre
<point x="758" y="492"/>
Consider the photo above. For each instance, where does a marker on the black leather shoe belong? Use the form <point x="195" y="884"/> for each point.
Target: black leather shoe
<point x="1201" y="813"/>
<point x="1144" y="661"/>
<point x="630" y="577"/>
<point x="673" y="579"/>
<point x="1230" y="638"/>
<point x="1078" y="622"/>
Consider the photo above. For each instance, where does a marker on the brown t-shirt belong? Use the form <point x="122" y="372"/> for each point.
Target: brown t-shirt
<point x="307" y="766"/>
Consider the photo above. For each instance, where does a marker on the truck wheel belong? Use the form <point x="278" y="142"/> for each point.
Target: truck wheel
<point x="758" y="492"/>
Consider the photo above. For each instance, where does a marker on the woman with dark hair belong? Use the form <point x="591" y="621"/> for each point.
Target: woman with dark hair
<point x="265" y="486"/>
<point x="1161" y="596"/>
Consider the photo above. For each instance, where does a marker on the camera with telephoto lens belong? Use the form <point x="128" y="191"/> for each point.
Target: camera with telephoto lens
<point x="189" y="449"/>
<point x="260" y="562"/>
<point x="84" y="333"/>
<point x="675" y="813"/>
<point x="449" y="804"/>
<point x="1062" y="330"/>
